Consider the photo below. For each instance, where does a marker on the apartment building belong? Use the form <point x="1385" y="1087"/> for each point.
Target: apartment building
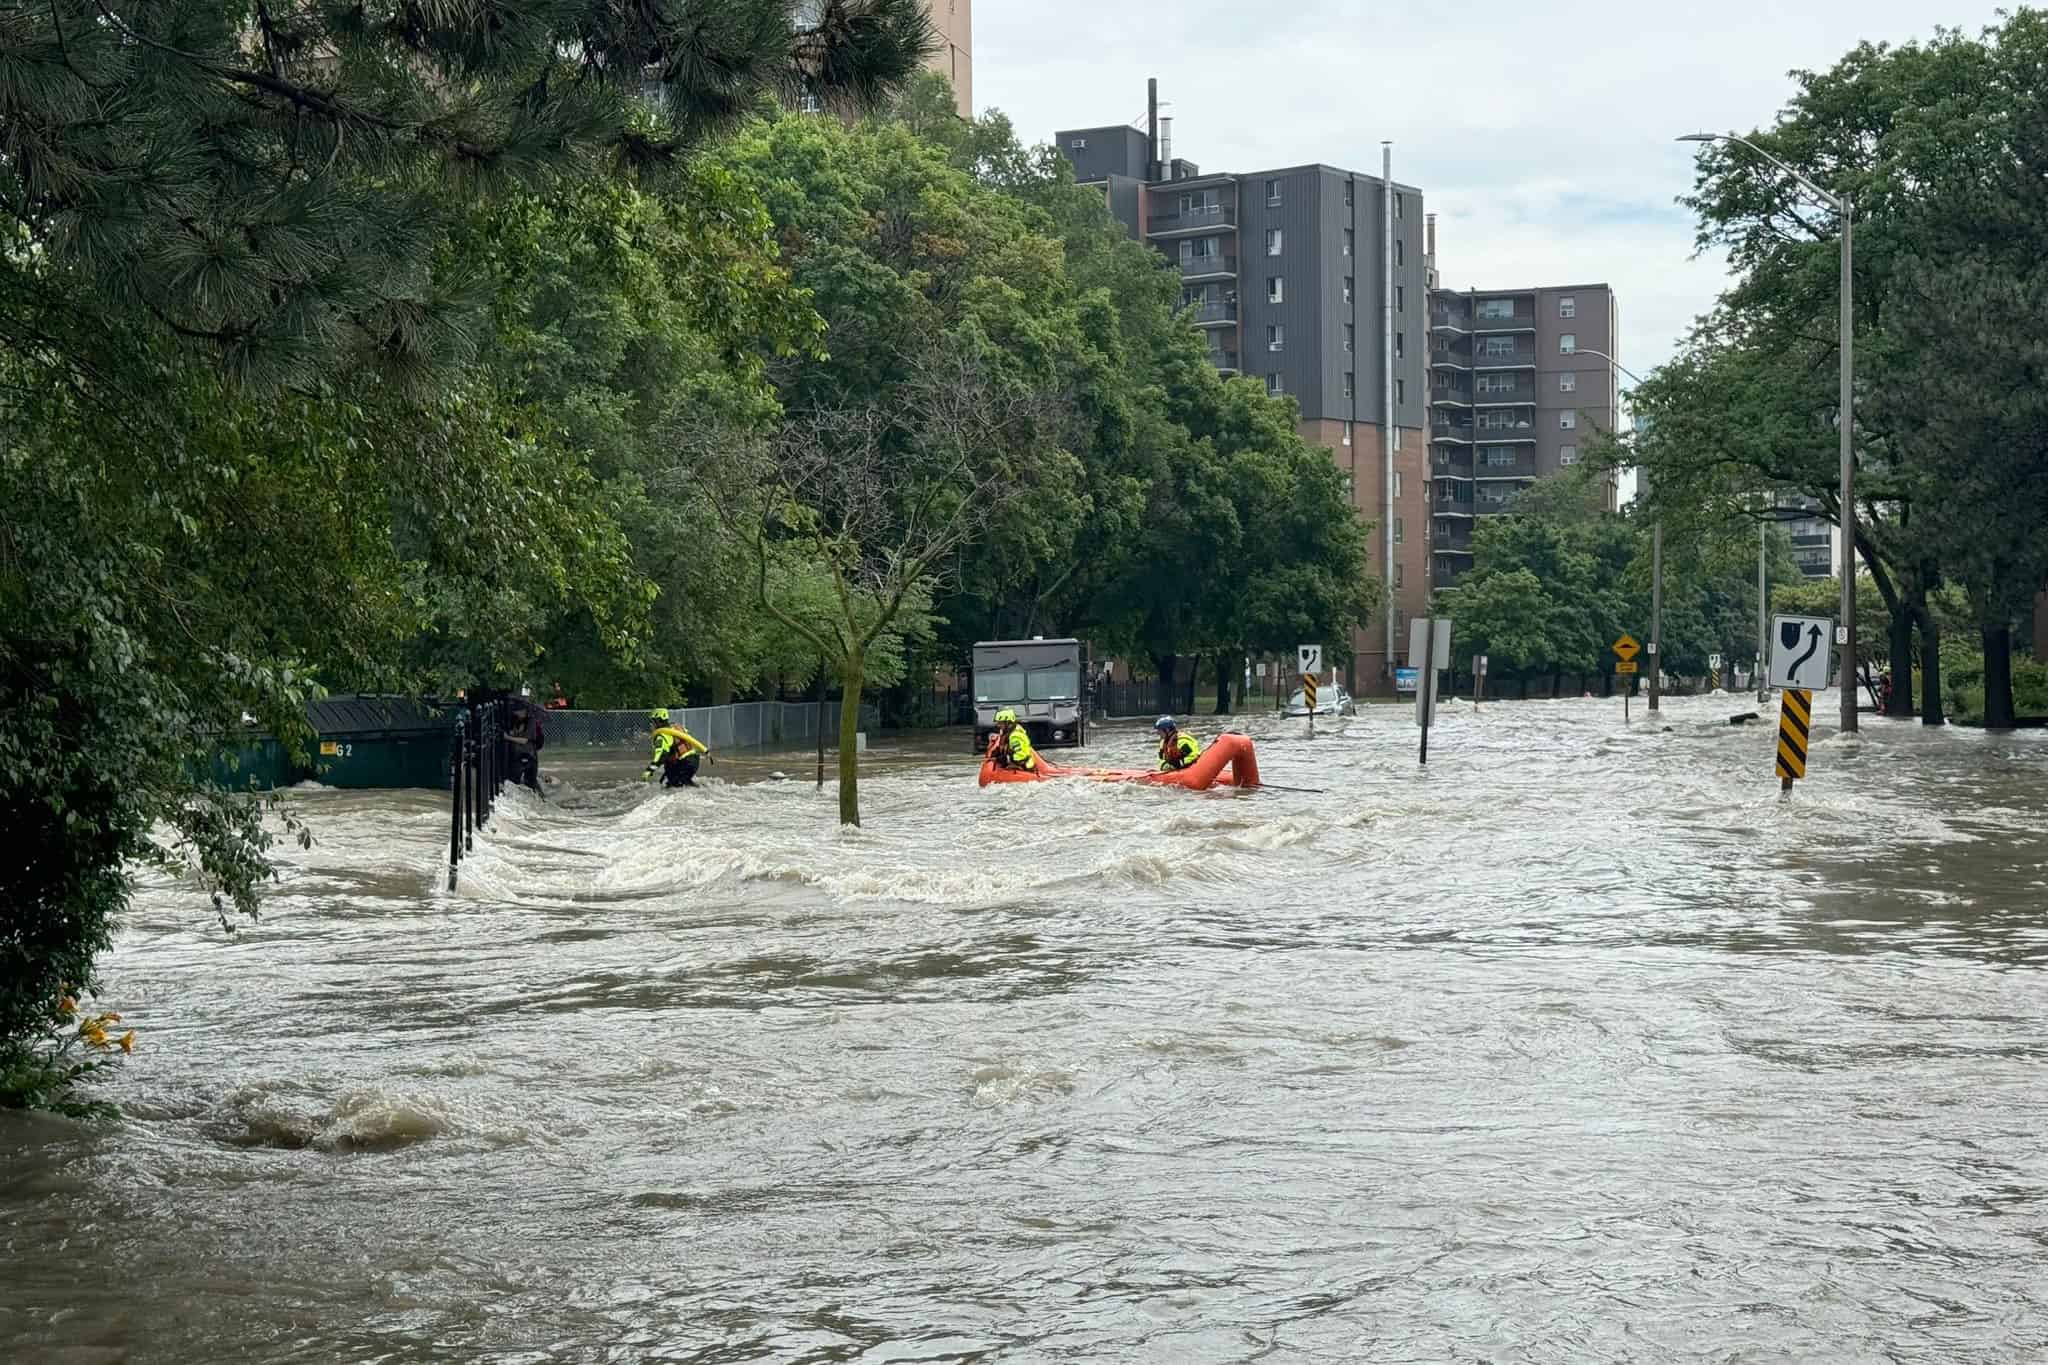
<point x="1285" y="271"/>
<point x="1813" y="538"/>
<point x="1520" y="380"/>
<point x="953" y="58"/>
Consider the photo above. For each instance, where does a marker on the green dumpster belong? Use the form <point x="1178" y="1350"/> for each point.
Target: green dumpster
<point x="257" y="763"/>
<point x="379" y="742"/>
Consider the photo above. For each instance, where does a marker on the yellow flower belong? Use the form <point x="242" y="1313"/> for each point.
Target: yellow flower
<point x="93" y="1033"/>
<point x="67" y="1007"/>
<point x="110" y="1018"/>
<point x="128" y="1041"/>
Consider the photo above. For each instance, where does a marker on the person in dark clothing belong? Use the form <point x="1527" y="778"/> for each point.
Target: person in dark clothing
<point x="527" y="735"/>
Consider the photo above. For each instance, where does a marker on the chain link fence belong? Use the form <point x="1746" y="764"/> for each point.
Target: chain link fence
<point x="742" y="725"/>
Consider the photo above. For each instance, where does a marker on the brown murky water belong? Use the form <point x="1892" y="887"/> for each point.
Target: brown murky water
<point x="1579" y="1046"/>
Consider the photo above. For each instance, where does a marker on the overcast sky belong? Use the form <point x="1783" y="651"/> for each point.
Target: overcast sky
<point x="1540" y="132"/>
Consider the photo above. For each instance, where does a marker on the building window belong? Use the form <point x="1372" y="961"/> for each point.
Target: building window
<point x="1494" y="383"/>
<point x="1400" y="298"/>
<point x="1398" y="252"/>
<point x="1567" y="455"/>
<point x="1568" y="382"/>
<point x="1567" y="308"/>
<point x="1347" y="384"/>
<point x="1567" y="420"/>
<point x="1272" y="194"/>
<point x="1276" y="337"/>
<point x="1399" y="349"/>
<point x="1496" y="346"/>
<point x="1400" y="390"/>
<point x="1347" y="433"/>
<point x="1568" y="343"/>
<point x="1397" y="483"/>
<point x="1350" y="239"/>
<point x="1276" y="289"/>
<point x="1350" y="334"/>
<point x="1349" y="187"/>
<point x="1499" y="421"/>
<point x="1397" y="530"/>
<point x="1347" y="289"/>
<point x="1078" y="144"/>
<point x="1399" y="203"/>
<point x="1397" y="570"/>
<point x="1497" y="457"/>
<point x="1274" y="384"/>
<point x="1496" y="309"/>
<point x="1272" y="241"/>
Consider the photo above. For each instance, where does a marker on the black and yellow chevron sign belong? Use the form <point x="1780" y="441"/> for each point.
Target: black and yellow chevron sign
<point x="1795" y="721"/>
<point x="1308" y="690"/>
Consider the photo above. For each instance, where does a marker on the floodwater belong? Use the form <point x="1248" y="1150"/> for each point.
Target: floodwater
<point x="1580" y="1045"/>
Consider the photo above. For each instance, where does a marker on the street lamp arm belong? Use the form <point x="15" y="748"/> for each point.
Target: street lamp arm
<point x="1838" y="202"/>
<point x="1633" y="376"/>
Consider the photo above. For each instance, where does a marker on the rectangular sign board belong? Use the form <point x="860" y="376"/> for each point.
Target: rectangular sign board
<point x="1628" y="667"/>
<point x="1311" y="658"/>
<point x="1404" y="679"/>
<point x="1799" y="651"/>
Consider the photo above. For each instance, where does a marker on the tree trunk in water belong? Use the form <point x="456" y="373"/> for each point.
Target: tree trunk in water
<point x="1163" y="664"/>
<point x="1998" y="677"/>
<point x="1930" y="669"/>
<point x="1222" y="684"/>
<point x="849" y="727"/>
<point x="1901" y="633"/>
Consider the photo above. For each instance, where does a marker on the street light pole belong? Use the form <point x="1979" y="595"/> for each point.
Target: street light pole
<point x="1845" y="212"/>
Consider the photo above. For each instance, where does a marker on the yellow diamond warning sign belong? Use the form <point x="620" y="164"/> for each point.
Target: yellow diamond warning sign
<point x="1626" y="648"/>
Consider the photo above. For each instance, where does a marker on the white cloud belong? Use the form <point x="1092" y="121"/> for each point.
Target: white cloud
<point x="1540" y="133"/>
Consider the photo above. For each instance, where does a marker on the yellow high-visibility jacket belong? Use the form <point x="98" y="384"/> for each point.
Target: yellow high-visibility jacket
<point x="1178" y="752"/>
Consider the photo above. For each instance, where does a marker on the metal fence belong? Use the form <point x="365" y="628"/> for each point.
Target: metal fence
<point x="741" y="725"/>
<point x="1147" y="698"/>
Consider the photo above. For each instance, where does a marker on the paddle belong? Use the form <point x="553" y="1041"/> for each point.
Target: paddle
<point x="1276" y="787"/>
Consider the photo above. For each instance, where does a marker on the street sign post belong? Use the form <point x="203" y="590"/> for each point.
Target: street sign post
<point x="1478" y="679"/>
<point x="1429" y="648"/>
<point x="1799" y="651"/>
<point x="1625" y="650"/>
<point x="1795" y="724"/>
<point x="1311" y="659"/>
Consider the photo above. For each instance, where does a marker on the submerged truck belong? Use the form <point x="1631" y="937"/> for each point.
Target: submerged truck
<point x="1044" y="681"/>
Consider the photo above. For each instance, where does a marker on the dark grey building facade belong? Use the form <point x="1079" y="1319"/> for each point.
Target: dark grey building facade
<point x="1284" y="272"/>
<point x="1521" y="381"/>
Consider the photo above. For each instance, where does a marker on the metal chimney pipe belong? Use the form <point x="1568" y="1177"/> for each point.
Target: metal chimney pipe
<point x="1152" y="128"/>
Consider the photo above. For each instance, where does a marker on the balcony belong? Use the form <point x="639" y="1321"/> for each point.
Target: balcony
<point x="1225" y="361"/>
<point x="1446" y="389"/>
<point x="1522" y="317"/>
<point x="1455" y="355"/>
<point x="1523" y="467"/>
<point x="1455" y="314"/>
<point x="1209" y="217"/>
<point x="1460" y="432"/>
<point x="1447" y="464"/>
<point x="1207" y="267"/>
<point x="1484" y="505"/>
<point x="1451" y="536"/>
<point x="1519" y="356"/>
<point x="1213" y="312"/>
<point x="1449" y="505"/>
<point x="1496" y="394"/>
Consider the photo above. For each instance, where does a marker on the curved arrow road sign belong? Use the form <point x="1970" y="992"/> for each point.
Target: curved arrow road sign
<point x="1799" y="651"/>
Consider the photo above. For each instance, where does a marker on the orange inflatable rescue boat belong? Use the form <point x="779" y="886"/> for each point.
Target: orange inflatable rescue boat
<point x="1230" y="761"/>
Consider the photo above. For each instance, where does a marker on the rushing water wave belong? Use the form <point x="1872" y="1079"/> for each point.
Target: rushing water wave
<point x="1578" y="1045"/>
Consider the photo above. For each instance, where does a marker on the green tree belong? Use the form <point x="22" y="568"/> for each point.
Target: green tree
<point x="244" y="404"/>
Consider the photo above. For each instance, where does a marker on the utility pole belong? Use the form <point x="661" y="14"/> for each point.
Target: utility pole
<point x="1656" y="612"/>
<point x="1387" y="386"/>
<point x="1763" y="619"/>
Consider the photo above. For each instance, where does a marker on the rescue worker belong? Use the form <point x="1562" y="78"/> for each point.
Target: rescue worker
<point x="1009" y="746"/>
<point x="1176" y="750"/>
<point x="677" y="752"/>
